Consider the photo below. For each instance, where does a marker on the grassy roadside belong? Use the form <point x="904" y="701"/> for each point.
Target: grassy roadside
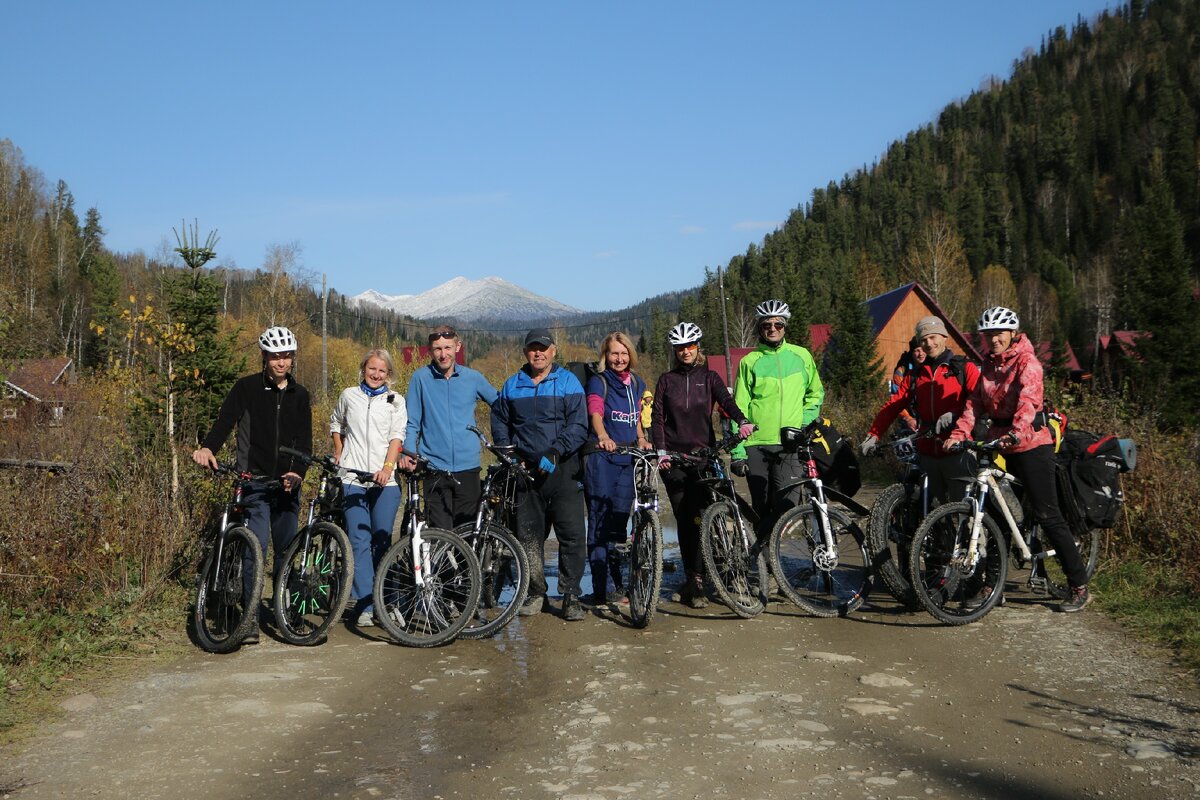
<point x="45" y="658"/>
<point x="1152" y="603"/>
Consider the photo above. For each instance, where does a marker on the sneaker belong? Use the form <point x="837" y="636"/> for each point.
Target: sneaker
<point x="619" y="596"/>
<point x="571" y="610"/>
<point x="531" y="606"/>
<point x="366" y="619"/>
<point x="1079" y="598"/>
<point x="971" y="603"/>
<point x="697" y="600"/>
<point x="594" y="599"/>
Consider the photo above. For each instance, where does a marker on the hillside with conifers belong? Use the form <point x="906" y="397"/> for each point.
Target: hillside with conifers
<point x="1069" y="190"/>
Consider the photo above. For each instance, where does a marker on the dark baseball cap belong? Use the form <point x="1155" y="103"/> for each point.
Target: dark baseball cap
<point x="539" y="336"/>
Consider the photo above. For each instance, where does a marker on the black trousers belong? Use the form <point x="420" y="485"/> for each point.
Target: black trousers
<point x="1035" y="468"/>
<point x="555" y="501"/>
<point x="771" y="469"/>
<point x="451" y="498"/>
<point x="687" y="498"/>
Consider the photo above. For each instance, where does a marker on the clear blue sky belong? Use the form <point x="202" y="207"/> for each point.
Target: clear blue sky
<point x="597" y="153"/>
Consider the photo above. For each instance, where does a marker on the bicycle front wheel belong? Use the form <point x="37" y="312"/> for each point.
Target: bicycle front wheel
<point x="894" y="517"/>
<point x="1089" y="550"/>
<point x="827" y="581"/>
<point x="952" y="584"/>
<point x="504" y="572"/>
<point x="227" y="596"/>
<point x="736" y="565"/>
<point x="435" y="610"/>
<point x="645" y="566"/>
<point x="313" y="583"/>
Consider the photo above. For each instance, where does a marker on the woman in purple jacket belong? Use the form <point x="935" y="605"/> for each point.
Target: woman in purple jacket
<point x="682" y="422"/>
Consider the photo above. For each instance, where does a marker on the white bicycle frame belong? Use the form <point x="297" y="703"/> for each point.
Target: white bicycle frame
<point x="987" y="479"/>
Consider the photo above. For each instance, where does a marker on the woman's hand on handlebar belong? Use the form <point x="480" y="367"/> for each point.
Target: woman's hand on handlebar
<point x="291" y="481"/>
<point x="405" y="463"/>
<point x="606" y="444"/>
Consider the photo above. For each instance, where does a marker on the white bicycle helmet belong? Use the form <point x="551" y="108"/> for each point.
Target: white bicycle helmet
<point x="684" y="333"/>
<point x="773" y="308"/>
<point x="277" y="340"/>
<point x="998" y="318"/>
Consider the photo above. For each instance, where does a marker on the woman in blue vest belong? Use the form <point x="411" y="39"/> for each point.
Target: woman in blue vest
<point x="614" y="403"/>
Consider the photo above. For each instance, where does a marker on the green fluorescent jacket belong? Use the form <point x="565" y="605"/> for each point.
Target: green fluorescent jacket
<point x="777" y="387"/>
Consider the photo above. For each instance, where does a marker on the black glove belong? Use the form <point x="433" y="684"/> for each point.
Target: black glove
<point x="549" y="461"/>
<point x="740" y="467"/>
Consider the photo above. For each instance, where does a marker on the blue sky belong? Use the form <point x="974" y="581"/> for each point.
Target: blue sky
<point x="597" y="153"/>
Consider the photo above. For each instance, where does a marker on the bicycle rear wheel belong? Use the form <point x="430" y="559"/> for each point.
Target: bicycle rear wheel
<point x="894" y="517"/>
<point x="313" y="584"/>
<point x="222" y="616"/>
<point x="948" y="589"/>
<point x="736" y="566"/>
<point x="645" y="566"/>
<point x="504" y="584"/>
<point x="823" y="581"/>
<point x="434" y="612"/>
<point x="1056" y="580"/>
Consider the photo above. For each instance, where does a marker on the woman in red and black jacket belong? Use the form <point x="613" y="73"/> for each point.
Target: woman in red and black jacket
<point x="682" y="422"/>
<point x="1010" y="394"/>
<point x="936" y="391"/>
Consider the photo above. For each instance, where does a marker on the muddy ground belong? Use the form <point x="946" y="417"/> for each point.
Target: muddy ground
<point x="884" y="704"/>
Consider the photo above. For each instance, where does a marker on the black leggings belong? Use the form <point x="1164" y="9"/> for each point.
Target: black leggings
<point x="1036" y="470"/>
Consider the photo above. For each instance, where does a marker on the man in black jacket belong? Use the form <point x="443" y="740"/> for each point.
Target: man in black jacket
<point x="271" y="410"/>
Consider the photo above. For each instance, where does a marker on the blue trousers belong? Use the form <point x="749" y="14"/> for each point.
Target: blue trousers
<point x="270" y="515"/>
<point x="608" y="484"/>
<point x="370" y="514"/>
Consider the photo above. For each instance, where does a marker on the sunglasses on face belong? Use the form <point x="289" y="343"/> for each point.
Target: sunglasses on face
<point x="773" y="326"/>
<point x="280" y="356"/>
<point x="433" y="337"/>
<point x="689" y="346"/>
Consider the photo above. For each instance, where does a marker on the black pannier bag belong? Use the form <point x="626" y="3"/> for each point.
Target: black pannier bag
<point x="1089" y="478"/>
<point x="836" y="462"/>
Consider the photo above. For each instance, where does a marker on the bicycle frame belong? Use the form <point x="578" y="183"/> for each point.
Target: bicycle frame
<point x="986" y="482"/>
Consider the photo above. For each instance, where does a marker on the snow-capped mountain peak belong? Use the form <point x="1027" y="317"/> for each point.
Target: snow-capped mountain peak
<point x="464" y="299"/>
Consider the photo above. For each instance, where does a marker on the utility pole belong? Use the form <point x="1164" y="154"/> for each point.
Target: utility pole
<point x="324" y="339"/>
<point x="725" y="327"/>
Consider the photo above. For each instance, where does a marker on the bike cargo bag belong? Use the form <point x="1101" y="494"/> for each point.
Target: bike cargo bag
<point x="836" y="462"/>
<point x="1089" y="482"/>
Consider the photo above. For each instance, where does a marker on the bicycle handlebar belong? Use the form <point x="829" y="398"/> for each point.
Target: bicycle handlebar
<point x="327" y="464"/>
<point x="238" y="475"/>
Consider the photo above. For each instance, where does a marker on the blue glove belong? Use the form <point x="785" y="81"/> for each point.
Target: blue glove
<point x="548" y="462"/>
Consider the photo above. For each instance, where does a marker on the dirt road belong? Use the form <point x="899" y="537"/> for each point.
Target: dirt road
<point x="886" y="704"/>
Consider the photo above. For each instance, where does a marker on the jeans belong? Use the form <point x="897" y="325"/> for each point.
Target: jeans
<point x="270" y="514"/>
<point x="555" y="500"/>
<point x="370" y="514"/>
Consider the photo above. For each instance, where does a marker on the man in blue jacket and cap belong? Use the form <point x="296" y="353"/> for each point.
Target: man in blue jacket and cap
<point x="541" y="412"/>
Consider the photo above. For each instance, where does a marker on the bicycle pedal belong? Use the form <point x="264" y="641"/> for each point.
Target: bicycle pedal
<point x="1037" y="583"/>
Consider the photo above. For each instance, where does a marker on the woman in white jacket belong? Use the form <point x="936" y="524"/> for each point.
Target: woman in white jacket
<point x="367" y="427"/>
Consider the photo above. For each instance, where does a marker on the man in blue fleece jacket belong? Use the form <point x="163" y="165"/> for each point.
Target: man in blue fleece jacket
<point x="542" y="413"/>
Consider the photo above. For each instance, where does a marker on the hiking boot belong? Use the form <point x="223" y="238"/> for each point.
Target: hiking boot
<point x="594" y="599"/>
<point x="1079" y="598"/>
<point x="972" y="603"/>
<point x="252" y="637"/>
<point x="531" y="606"/>
<point x="366" y="619"/>
<point x="571" y="610"/>
<point x="619" y="596"/>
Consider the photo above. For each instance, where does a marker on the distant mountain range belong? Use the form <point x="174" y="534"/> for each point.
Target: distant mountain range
<point x="462" y="299"/>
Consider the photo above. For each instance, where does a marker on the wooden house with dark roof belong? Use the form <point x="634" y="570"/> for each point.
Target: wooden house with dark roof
<point x="38" y="391"/>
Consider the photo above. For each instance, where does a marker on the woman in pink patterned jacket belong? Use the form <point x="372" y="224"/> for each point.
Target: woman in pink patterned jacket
<point x="1009" y="393"/>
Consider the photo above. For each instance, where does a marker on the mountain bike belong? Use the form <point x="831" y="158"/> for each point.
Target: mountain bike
<point x="959" y="558"/>
<point x="643" y="549"/>
<point x="733" y="556"/>
<point x="503" y="563"/>
<point x="427" y="584"/>
<point x="818" y="553"/>
<point x="229" y="584"/>
<point x="315" y="577"/>
<point x="895" y="515"/>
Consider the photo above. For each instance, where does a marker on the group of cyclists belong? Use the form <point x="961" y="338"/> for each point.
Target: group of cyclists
<point x="569" y="437"/>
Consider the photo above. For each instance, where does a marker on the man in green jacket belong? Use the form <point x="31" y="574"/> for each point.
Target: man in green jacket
<point x="777" y="386"/>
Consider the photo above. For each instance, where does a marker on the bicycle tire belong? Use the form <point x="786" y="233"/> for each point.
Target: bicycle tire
<point x="645" y="566"/>
<point x="889" y="537"/>
<point x="313" y="584"/>
<point x="946" y="591"/>
<point x="221" y="618"/>
<point x="504" y="573"/>
<point x="435" y="613"/>
<point x="825" y="585"/>
<point x="738" y="575"/>
<point x="1056" y="580"/>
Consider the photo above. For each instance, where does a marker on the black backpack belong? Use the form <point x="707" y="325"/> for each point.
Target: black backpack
<point x="1089" y="479"/>
<point x="836" y="462"/>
